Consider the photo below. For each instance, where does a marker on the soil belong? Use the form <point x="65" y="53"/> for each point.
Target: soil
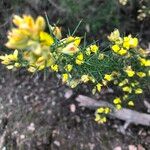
<point x="35" y="115"/>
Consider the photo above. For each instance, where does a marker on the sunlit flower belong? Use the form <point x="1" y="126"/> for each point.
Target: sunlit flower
<point x="115" y="48"/>
<point x="10" y="60"/>
<point x="118" y="106"/>
<point x="85" y="78"/>
<point x="57" y="32"/>
<point x="93" y="48"/>
<point x="79" y="59"/>
<point x="70" y="49"/>
<point x="114" y="36"/>
<point x="54" y="67"/>
<point x="117" y="100"/>
<point x="27" y="29"/>
<point x="99" y="87"/>
<point x="68" y="67"/>
<point x="46" y="39"/>
<point x="129" y="71"/>
<point x="138" y="91"/>
<point x="144" y="62"/>
<point x="141" y="74"/>
<point x="108" y="77"/>
<point x="65" y="77"/>
<point x="131" y="103"/>
<point x="127" y="89"/>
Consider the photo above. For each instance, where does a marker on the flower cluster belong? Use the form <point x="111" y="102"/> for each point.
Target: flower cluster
<point x="101" y="114"/>
<point x="124" y="64"/>
<point x="32" y="43"/>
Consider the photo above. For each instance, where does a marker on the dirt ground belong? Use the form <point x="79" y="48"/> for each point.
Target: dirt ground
<point x="35" y="115"/>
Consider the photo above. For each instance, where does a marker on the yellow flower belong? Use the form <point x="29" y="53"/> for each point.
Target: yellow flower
<point x="133" y="42"/>
<point x="73" y="83"/>
<point x="28" y="23"/>
<point x="119" y="41"/>
<point x="18" y="39"/>
<point x="104" y="82"/>
<point x="115" y="82"/>
<point x="68" y="67"/>
<point x="97" y="117"/>
<point x="118" y="106"/>
<point x="32" y="69"/>
<point x="107" y="110"/>
<point x="57" y="32"/>
<point x="27" y="29"/>
<point x="99" y="87"/>
<point x="79" y="59"/>
<point x="94" y="48"/>
<point x="65" y="77"/>
<point x="114" y="36"/>
<point x="94" y="90"/>
<point x="75" y="40"/>
<point x="125" y="97"/>
<point x="123" y="82"/>
<point x="70" y="49"/>
<point x="100" y="110"/>
<point x="115" y="48"/>
<point x="130" y="42"/>
<point x="130" y="103"/>
<point x="88" y="51"/>
<point x="40" y="63"/>
<point x="9" y="59"/>
<point x="85" y="78"/>
<point x="100" y="119"/>
<point x="127" y="89"/>
<point x="117" y="100"/>
<point x="17" y="65"/>
<point x="101" y="56"/>
<point x="141" y="74"/>
<point x="92" y="79"/>
<point x="126" y="43"/>
<point x="46" y="39"/>
<point x="108" y="77"/>
<point x="103" y="120"/>
<point x="145" y="62"/>
<point x="129" y="71"/>
<point x="122" y="52"/>
<point x="54" y="68"/>
<point x="35" y="47"/>
<point x="138" y="91"/>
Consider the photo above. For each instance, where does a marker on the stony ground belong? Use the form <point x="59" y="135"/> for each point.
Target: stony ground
<point x="35" y="115"/>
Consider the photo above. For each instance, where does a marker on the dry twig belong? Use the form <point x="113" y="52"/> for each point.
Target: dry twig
<point x="127" y="115"/>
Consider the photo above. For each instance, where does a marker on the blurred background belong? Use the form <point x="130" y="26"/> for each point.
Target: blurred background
<point x="42" y="115"/>
<point x="99" y="17"/>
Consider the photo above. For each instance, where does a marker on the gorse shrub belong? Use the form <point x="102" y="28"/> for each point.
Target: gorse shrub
<point x="123" y="63"/>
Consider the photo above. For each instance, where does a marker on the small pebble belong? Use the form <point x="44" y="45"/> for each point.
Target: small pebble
<point x="68" y="94"/>
<point x="31" y="127"/>
<point x="132" y="147"/>
<point x="22" y="136"/>
<point x="117" y="148"/>
<point x="57" y="143"/>
<point x="73" y="108"/>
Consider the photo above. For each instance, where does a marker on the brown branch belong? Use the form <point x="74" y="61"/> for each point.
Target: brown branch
<point x="124" y="114"/>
